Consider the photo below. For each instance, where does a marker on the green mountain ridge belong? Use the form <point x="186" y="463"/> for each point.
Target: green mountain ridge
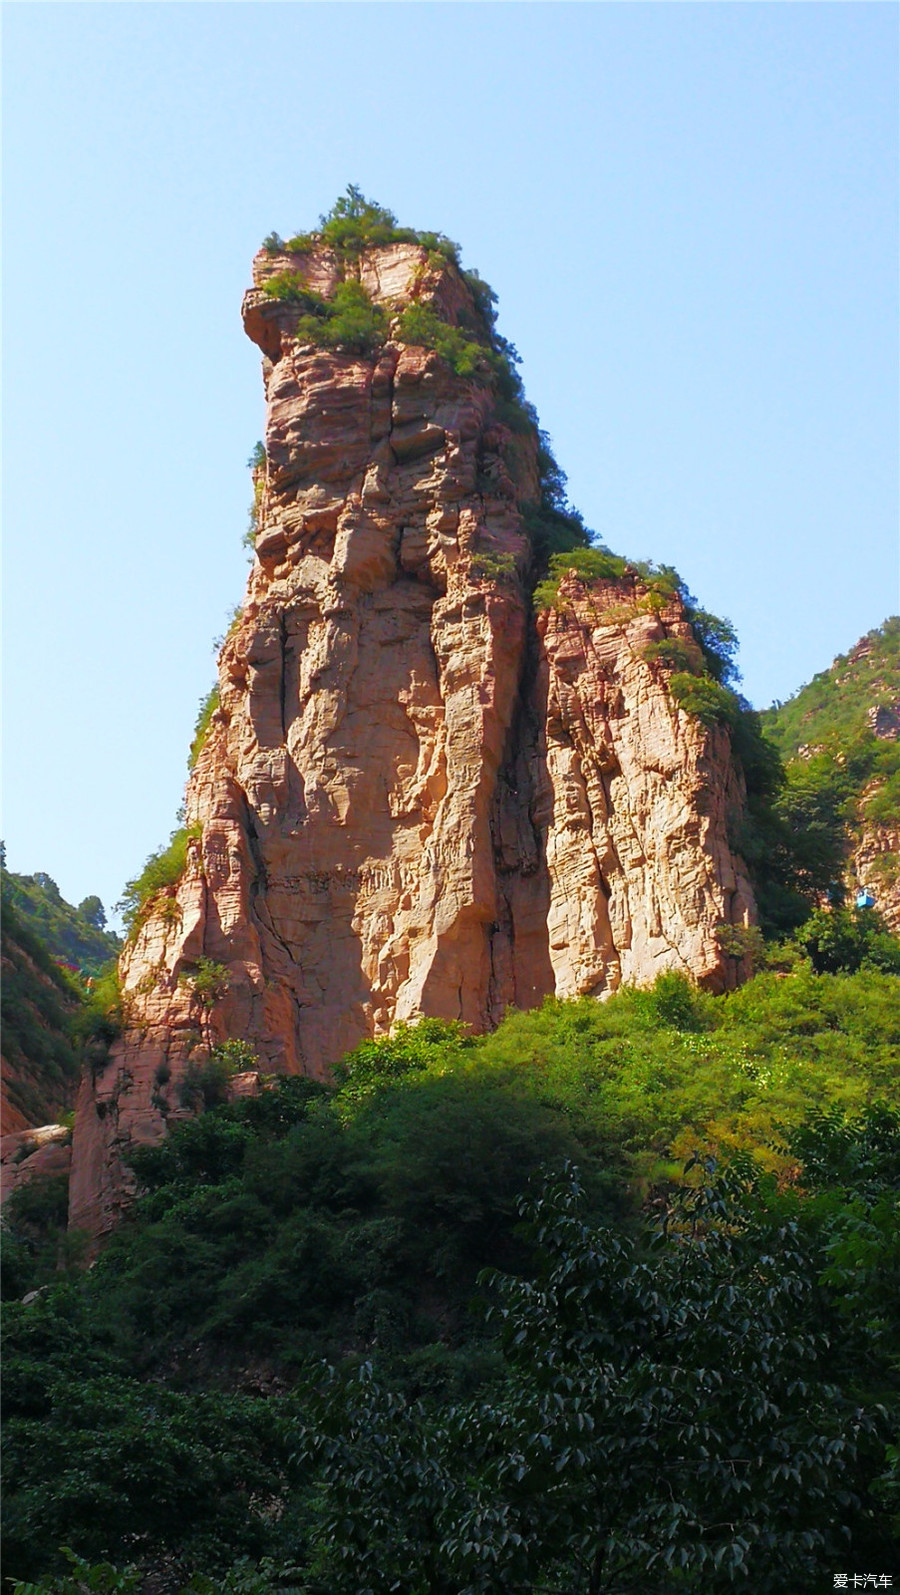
<point x="839" y="700"/>
<point x="76" y="936"/>
<point x="40" y="1000"/>
<point x="839" y="737"/>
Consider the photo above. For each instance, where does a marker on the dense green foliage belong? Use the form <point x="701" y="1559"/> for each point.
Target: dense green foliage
<point x="676" y="653"/>
<point x="290" y="288"/>
<point x="553" y="524"/>
<point x="205" y="1082"/>
<point x="37" y="1244"/>
<point x="53" y="1020"/>
<point x="355" y="223"/>
<point x="493" y="567"/>
<point x="75" y="935"/>
<point x="656" y="1407"/>
<point x="840" y="941"/>
<point x="709" y="657"/>
<point x="132" y="1464"/>
<point x="102" y="1014"/>
<point x="170" y="1408"/>
<point x="700" y="695"/>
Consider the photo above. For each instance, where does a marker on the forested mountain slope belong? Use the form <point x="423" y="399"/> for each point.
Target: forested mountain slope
<point x="40" y="1068"/>
<point x="840" y="739"/>
<point x="860" y="691"/>
<point x="41" y="931"/>
<point x="77" y="936"/>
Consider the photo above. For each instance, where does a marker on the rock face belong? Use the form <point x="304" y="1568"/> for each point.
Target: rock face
<point x="874" y="865"/>
<point x="875" y="855"/>
<point x="634" y="804"/>
<point x="415" y="797"/>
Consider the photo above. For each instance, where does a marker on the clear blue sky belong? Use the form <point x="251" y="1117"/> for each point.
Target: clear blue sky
<point x="689" y="213"/>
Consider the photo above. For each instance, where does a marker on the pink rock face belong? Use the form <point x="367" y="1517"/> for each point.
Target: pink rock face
<point x="413" y="799"/>
<point x="26" y="1153"/>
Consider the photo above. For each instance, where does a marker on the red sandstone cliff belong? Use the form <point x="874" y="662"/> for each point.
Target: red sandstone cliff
<point x="415" y="797"/>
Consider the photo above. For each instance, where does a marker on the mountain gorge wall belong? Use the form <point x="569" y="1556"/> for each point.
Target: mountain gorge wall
<point x="416" y="796"/>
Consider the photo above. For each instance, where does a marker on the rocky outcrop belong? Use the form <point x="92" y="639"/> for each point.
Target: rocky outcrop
<point x="415" y="797"/>
<point x="25" y="1154"/>
<point x="883" y="720"/>
<point x="874" y="865"/>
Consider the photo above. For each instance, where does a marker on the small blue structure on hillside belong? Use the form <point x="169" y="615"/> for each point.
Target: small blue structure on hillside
<point x="864" y="900"/>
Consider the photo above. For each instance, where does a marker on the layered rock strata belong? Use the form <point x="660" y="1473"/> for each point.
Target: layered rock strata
<point x="415" y="797"/>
